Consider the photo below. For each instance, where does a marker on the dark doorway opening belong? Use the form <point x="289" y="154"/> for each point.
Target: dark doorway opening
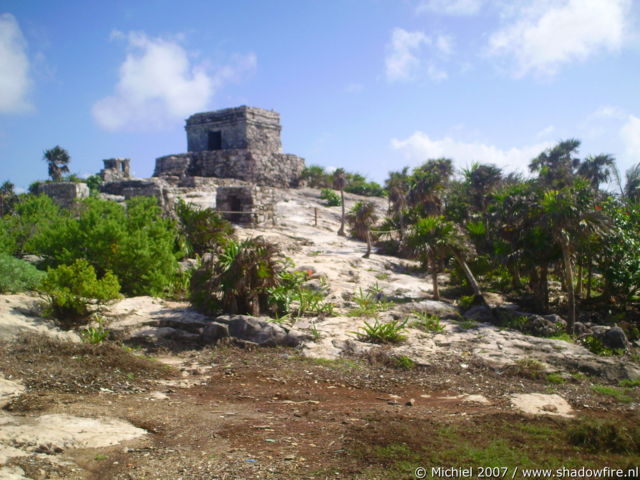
<point x="235" y="206"/>
<point x="215" y="140"/>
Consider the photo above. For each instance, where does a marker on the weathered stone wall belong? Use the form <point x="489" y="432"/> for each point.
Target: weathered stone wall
<point x="247" y="204"/>
<point x="254" y="166"/>
<point x="64" y="194"/>
<point x="116" y="169"/>
<point x="240" y="128"/>
<point x="137" y="188"/>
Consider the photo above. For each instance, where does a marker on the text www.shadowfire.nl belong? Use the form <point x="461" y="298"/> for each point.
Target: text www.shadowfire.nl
<point x="516" y="472"/>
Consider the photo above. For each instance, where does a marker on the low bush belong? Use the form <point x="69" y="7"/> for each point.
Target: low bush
<point x="17" y="275"/>
<point x="595" y="345"/>
<point x="71" y="291"/>
<point x="331" y="197"/>
<point x="369" y="304"/>
<point x="598" y="436"/>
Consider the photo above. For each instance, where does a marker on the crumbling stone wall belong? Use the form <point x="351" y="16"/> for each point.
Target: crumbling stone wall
<point x="247" y="204"/>
<point x="116" y="169"/>
<point x="64" y="194"/>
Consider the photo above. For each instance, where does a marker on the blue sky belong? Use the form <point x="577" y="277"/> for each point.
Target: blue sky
<point x="369" y="85"/>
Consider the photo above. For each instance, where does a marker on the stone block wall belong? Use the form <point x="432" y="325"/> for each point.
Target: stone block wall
<point x="116" y="169"/>
<point x="64" y="194"/>
<point x="249" y="205"/>
<point x="240" y="128"/>
<point x="254" y="166"/>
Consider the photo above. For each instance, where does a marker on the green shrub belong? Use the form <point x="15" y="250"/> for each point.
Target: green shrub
<point x="599" y="436"/>
<point x="137" y="244"/>
<point x="331" y="197"/>
<point x="628" y="383"/>
<point x="239" y="279"/>
<point x="71" y="291"/>
<point x="465" y="302"/>
<point x="95" y="334"/>
<point x="204" y="229"/>
<point x="403" y="362"/>
<point x="619" y="395"/>
<point x="389" y="332"/>
<point x="32" y="214"/>
<point x="595" y="345"/>
<point x="17" y="275"/>
<point x="530" y="368"/>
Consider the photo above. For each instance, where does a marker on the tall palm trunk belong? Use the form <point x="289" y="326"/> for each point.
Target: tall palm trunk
<point x="366" y="255"/>
<point x="568" y="271"/>
<point x="589" y="275"/>
<point x="468" y="273"/>
<point x="341" y="231"/>
<point x="434" y="275"/>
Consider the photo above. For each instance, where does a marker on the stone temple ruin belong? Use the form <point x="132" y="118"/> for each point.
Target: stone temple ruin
<point x="242" y="143"/>
<point x="233" y="162"/>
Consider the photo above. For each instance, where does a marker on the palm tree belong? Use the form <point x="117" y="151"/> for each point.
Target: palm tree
<point x="597" y="169"/>
<point x="339" y="182"/>
<point x="361" y="218"/>
<point x="398" y="187"/>
<point x="632" y="186"/>
<point x="556" y="166"/>
<point x="7" y="197"/>
<point x="58" y="160"/>
<point x="428" y="182"/>
<point x="481" y="180"/>
<point x="434" y="236"/>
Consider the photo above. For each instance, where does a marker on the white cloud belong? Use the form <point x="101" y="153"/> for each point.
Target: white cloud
<point x="15" y="79"/>
<point x="546" y="131"/>
<point x="402" y="61"/>
<point x="546" y="35"/>
<point x="450" y="7"/>
<point x="630" y="135"/>
<point x="420" y="147"/>
<point x="159" y="83"/>
<point x="410" y="56"/>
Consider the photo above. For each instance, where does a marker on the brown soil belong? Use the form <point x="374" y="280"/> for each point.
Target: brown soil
<point x="270" y="413"/>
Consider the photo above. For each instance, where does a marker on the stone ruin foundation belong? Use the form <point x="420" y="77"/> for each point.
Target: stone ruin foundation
<point x="115" y="169"/>
<point x="64" y="194"/>
<point x="247" y="204"/>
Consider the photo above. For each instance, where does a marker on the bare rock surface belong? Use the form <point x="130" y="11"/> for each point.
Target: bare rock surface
<point x="19" y="315"/>
<point x="542" y="404"/>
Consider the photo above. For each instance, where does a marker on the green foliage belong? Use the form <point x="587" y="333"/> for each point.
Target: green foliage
<point x="94" y="182"/>
<point x="465" y="302"/>
<point x="628" y="383"/>
<point x="389" y="332"/>
<point x="71" y="291"/>
<point x="565" y="337"/>
<point x="316" y="177"/>
<point x="359" y="185"/>
<point x="428" y="322"/>
<point x="361" y="218"/>
<point x="403" y="362"/>
<point x="57" y="159"/>
<point x="204" y="229"/>
<point x="369" y="304"/>
<point x="239" y="279"/>
<point x="530" y="368"/>
<point x="555" y="378"/>
<point x="331" y="197"/>
<point x="619" y="395"/>
<point x="17" y="275"/>
<point x="137" y="244"/>
<point x="31" y="215"/>
<point x="95" y="334"/>
<point x="291" y="297"/>
<point x="8" y="198"/>
<point x="605" y="435"/>
<point x="595" y="345"/>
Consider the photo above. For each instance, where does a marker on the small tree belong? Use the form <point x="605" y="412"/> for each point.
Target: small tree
<point x="361" y="218"/>
<point x="57" y="159"/>
<point x="203" y="229"/>
<point x="7" y="197"/>
<point x="339" y="182"/>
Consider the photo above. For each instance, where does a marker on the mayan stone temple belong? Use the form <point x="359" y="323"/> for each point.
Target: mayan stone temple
<point x="242" y="143"/>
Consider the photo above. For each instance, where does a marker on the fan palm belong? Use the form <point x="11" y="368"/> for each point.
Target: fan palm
<point x="58" y="160"/>
<point x="361" y="218"/>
